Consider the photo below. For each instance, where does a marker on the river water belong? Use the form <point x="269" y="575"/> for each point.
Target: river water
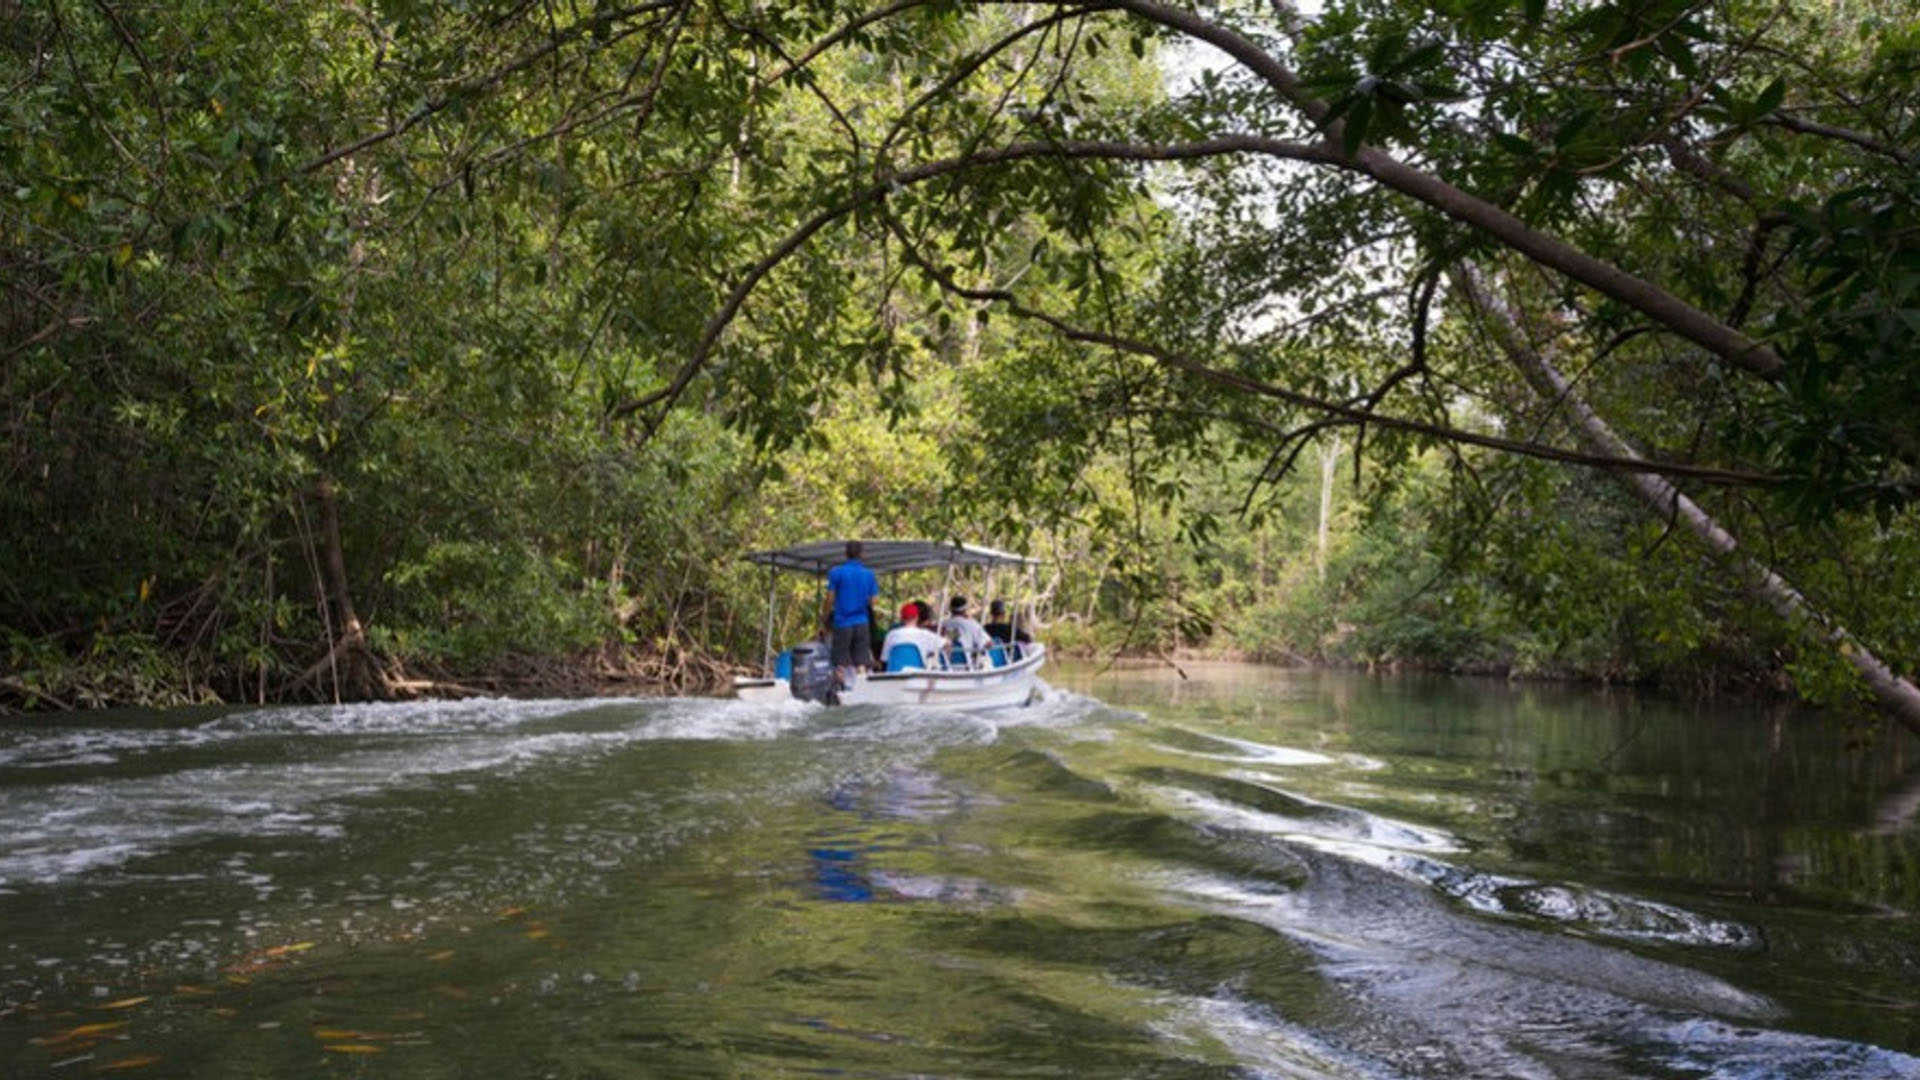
<point x="1240" y="873"/>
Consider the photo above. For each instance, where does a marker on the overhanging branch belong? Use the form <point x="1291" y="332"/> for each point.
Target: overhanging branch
<point x="1321" y="152"/>
<point x="1351" y="413"/>
<point x="1658" y="304"/>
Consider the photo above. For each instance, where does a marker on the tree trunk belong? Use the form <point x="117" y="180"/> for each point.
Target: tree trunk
<point x="1897" y="695"/>
<point x="1329" y="469"/>
<point x="356" y="671"/>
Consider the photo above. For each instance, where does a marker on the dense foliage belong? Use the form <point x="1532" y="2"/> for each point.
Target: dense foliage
<point x="345" y="349"/>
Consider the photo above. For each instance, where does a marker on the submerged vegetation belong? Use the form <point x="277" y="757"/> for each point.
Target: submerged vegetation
<point x="355" y="351"/>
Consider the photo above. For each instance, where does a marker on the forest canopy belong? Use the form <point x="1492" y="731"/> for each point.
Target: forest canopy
<point x="354" y="349"/>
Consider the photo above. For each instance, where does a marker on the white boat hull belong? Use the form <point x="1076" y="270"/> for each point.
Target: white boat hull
<point x="1008" y="687"/>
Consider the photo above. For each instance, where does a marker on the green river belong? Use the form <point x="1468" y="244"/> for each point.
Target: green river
<point x="1243" y="872"/>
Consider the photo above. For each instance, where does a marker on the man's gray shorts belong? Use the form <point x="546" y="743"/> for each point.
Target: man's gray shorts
<point x="853" y="646"/>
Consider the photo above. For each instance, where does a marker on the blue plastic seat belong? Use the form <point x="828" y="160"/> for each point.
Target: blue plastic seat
<point x="957" y="658"/>
<point x="783" y="666"/>
<point x="904" y="656"/>
<point x="998" y="655"/>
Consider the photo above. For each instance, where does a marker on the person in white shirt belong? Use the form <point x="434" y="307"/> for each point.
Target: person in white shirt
<point x="909" y="632"/>
<point x="963" y="630"/>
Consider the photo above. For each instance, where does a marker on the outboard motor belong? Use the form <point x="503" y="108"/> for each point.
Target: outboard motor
<point x="812" y="678"/>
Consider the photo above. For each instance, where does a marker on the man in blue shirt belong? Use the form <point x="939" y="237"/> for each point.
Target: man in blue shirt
<point x="851" y="588"/>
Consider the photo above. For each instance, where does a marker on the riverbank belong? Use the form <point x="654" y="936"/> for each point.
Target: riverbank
<point x="158" y="682"/>
<point x="1737" y="681"/>
<point x="123" y="678"/>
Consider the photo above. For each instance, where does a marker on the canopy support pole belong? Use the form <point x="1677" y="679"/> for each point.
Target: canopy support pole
<point x="946" y="597"/>
<point x="766" y="656"/>
<point x="1014" y="620"/>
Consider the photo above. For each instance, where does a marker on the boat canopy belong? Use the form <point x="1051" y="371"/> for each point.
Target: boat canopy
<point x="887" y="556"/>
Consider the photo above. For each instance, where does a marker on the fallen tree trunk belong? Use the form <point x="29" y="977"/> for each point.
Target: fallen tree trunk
<point x="1897" y="695"/>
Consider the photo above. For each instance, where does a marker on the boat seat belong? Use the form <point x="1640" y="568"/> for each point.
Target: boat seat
<point x="783" y="666"/>
<point x="905" y="656"/>
<point x="998" y="655"/>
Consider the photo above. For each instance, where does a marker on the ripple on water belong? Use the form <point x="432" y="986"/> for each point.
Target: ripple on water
<point x="1283" y="814"/>
<point x="407" y="717"/>
<point x="1252" y="1037"/>
<point x="1713" y="1050"/>
<point x="297" y="771"/>
<point x="1227" y="748"/>
<point x="1428" y="992"/>
<point x="66" y="748"/>
<point x="1581" y="908"/>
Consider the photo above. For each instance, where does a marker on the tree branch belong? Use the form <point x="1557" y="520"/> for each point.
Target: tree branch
<point x="1791" y="122"/>
<point x="1663" y="307"/>
<point x="1246" y="384"/>
<point x="696" y="360"/>
<point x="470" y="86"/>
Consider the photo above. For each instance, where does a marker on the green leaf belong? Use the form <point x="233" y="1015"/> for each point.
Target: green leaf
<point x="1358" y="118"/>
<point x="1424" y="56"/>
<point x="1381" y="59"/>
<point x="1514" y="144"/>
<point x="1572" y="128"/>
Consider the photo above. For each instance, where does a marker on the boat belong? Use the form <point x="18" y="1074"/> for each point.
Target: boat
<point x="1006" y="676"/>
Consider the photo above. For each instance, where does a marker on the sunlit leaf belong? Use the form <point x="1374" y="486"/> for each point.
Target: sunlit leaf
<point x="128" y="1003"/>
<point x="138" y="1061"/>
<point x="84" y="1031"/>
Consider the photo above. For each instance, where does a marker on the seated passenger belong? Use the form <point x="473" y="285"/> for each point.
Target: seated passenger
<point x="1002" y="631"/>
<point x="929" y="643"/>
<point x="963" y="631"/>
<point x="909" y="617"/>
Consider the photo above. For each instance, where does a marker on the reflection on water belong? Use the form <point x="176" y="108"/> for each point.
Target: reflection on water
<point x="1245" y="873"/>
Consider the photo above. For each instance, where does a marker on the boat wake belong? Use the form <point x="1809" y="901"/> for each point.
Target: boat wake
<point x="1066" y="889"/>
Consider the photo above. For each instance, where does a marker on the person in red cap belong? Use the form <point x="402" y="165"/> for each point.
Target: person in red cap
<point x="909" y="616"/>
<point x="909" y="632"/>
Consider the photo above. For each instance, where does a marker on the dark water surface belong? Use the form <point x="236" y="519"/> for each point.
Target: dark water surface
<point x="1248" y="873"/>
